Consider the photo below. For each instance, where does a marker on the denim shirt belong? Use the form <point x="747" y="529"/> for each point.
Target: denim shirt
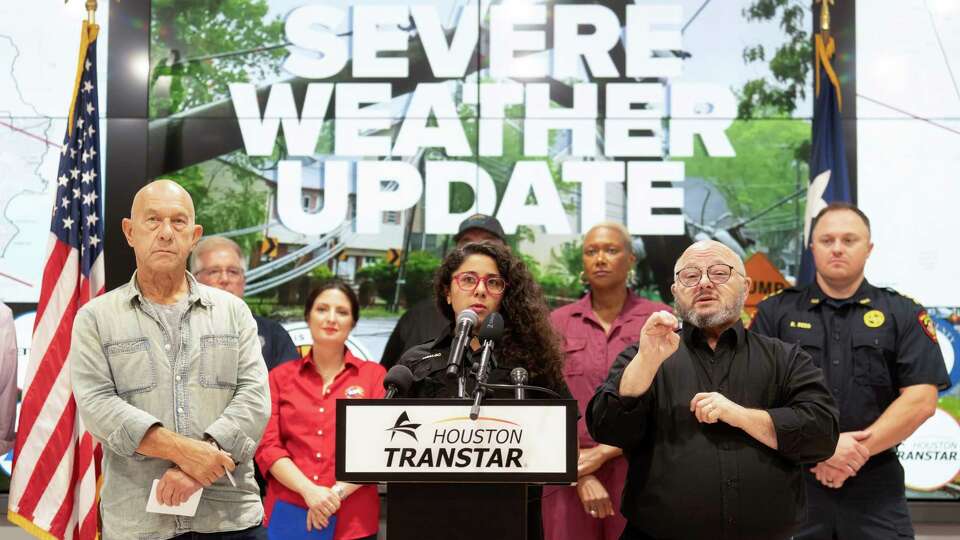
<point x="124" y="383"/>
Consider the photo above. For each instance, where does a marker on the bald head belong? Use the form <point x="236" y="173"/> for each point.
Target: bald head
<point x="712" y="250"/>
<point x="162" y="229"/>
<point x="164" y="190"/>
<point x="707" y="293"/>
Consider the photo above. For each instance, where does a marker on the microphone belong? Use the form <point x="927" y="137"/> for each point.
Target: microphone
<point x="519" y="377"/>
<point x="490" y="334"/>
<point x="466" y="320"/>
<point x="398" y="381"/>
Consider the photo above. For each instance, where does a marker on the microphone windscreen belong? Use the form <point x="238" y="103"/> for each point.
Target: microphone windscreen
<point x="492" y="328"/>
<point x="399" y="376"/>
<point x="519" y="375"/>
<point x="468" y="315"/>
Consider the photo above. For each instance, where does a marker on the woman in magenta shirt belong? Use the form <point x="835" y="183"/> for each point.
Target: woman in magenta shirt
<point x="297" y="449"/>
<point x="595" y="330"/>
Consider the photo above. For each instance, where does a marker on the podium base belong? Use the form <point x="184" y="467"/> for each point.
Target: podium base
<point x="456" y="511"/>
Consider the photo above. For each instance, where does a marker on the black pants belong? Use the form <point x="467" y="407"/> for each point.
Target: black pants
<point x="632" y="533"/>
<point x="870" y="505"/>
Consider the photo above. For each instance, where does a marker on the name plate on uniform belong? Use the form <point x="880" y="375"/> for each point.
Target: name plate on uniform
<point x="429" y="440"/>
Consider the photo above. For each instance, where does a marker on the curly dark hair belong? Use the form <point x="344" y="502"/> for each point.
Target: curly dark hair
<point x="528" y="338"/>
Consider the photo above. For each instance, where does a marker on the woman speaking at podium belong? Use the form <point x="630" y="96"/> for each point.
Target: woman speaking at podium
<point x="297" y="450"/>
<point x="485" y="277"/>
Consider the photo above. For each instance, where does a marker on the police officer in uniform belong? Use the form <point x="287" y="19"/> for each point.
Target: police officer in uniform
<point x="878" y="350"/>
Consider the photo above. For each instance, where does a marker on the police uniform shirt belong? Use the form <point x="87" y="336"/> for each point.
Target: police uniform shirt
<point x="869" y="345"/>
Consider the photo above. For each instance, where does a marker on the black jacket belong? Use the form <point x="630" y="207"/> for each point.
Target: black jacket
<point x="428" y="362"/>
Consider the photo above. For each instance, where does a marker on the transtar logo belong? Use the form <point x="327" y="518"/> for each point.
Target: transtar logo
<point x="403" y="425"/>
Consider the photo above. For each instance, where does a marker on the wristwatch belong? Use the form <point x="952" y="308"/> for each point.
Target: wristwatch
<point x="338" y="489"/>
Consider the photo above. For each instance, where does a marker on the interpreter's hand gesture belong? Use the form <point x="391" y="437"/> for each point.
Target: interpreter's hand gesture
<point x="658" y="338"/>
<point x="713" y="407"/>
<point x="322" y="503"/>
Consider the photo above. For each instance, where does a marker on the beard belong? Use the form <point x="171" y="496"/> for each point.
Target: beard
<point x="726" y="315"/>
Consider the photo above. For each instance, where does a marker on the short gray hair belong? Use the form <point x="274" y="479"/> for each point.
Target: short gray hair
<point x="213" y="243"/>
<point x="617" y="226"/>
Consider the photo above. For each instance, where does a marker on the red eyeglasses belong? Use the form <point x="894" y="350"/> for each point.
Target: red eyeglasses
<point x="468" y="281"/>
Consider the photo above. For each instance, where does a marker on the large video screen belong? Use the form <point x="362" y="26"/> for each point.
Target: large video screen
<point x="371" y="126"/>
<point x="908" y="154"/>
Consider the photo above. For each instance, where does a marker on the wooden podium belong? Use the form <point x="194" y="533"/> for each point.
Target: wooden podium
<point x="452" y="478"/>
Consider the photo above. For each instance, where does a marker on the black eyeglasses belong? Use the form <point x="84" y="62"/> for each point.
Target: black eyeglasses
<point x="468" y="281"/>
<point x="718" y="274"/>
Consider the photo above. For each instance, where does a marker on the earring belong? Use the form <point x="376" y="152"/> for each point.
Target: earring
<point x="583" y="278"/>
<point x="631" y="277"/>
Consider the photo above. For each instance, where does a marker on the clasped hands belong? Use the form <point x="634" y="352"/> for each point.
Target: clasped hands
<point x="850" y="456"/>
<point x="199" y="465"/>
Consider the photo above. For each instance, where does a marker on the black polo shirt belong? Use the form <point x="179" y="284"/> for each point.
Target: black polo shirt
<point x="688" y="480"/>
<point x="869" y="345"/>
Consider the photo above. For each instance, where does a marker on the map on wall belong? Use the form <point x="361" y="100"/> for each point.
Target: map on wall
<point x="37" y="70"/>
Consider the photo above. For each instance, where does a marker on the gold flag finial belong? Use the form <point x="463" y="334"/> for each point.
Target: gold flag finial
<point x="825" y="15"/>
<point x="91" y="11"/>
<point x="91" y="6"/>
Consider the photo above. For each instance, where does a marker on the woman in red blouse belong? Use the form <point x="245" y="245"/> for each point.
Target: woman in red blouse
<point x="297" y="449"/>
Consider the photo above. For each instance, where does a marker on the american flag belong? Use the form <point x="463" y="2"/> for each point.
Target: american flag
<point x="56" y="467"/>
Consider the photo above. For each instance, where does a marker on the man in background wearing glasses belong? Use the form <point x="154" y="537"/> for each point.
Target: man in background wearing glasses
<point x="879" y="353"/>
<point x="218" y="261"/>
<point x="715" y="420"/>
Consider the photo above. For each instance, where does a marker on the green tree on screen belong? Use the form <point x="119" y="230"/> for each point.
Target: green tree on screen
<point x="790" y="63"/>
<point x="765" y="171"/>
<point x="198" y="47"/>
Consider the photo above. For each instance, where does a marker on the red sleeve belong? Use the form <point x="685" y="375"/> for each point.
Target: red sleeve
<point x="271" y="446"/>
<point x="378" y="391"/>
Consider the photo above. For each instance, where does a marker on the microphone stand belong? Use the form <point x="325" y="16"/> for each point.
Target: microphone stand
<point x="482" y="372"/>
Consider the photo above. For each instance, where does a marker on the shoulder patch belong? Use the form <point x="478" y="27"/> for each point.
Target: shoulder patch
<point x="926" y="323"/>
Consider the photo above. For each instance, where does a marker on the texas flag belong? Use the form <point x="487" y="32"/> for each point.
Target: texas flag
<point x="828" y="163"/>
